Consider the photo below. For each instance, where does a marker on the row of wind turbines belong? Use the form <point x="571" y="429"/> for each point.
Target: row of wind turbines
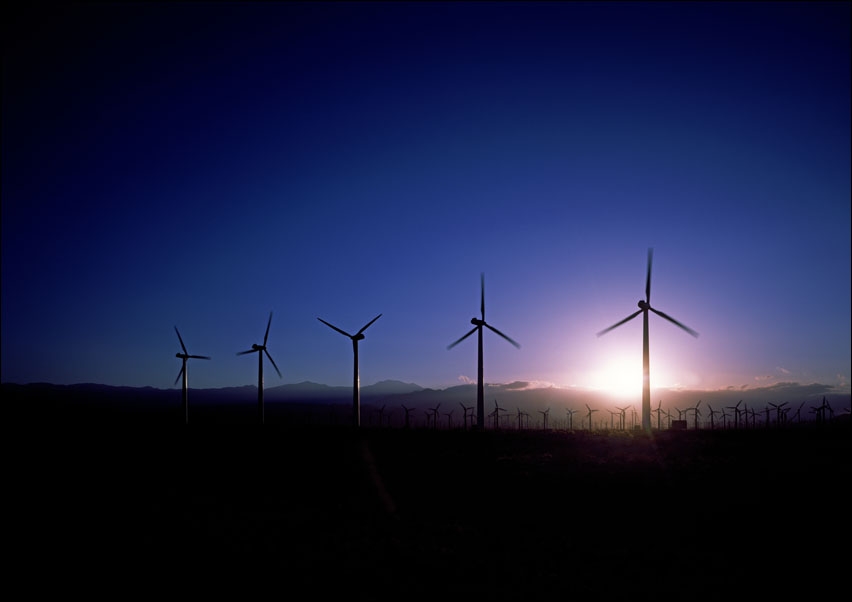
<point x="738" y="416"/>
<point x="479" y="326"/>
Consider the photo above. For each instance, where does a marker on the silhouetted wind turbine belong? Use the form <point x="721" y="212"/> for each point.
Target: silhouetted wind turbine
<point x="612" y="415"/>
<point x="466" y="409"/>
<point x="798" y="416"/>
<point x="496" y="414"/>
<point x="260" y="350"/>
<point x="779" y="415"/>
<point x="590" y="416"/>
<point x="449" y="416"/>
<point x="185" y="356"/>
<point x="712" y="416"/>
<point x="622" y="419"/>
<point x="435" y="415"/>
<point x="478" y="324"/>
<point x="570" y="414"/>
<point x="356" y="381"/>
<point x="644" y="308"/>
<point x="407" y="418"/>
<point x="696" y="414"/>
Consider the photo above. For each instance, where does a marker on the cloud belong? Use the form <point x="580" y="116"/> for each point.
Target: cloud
<point x="464" y="379"/>
<point x="782" y="370"/>
<point x="526" y="385"/>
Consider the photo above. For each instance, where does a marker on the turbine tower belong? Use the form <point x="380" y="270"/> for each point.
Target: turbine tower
<point x="478" y="324"/>
<point x="185" y="356"/>
<point x="356" y="380"/>
<point x="260" y="350"/>
<point x="644" y="308"/>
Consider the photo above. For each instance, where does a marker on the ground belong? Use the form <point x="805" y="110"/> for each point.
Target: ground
<point x="396" y="514"/>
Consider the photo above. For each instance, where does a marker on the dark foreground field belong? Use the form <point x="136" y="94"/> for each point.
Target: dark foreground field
<point x="397" y="515"/>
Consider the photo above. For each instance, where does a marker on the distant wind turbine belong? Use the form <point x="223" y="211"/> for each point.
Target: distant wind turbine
<point x="260" y="350"/>
<point x="659" y="411"/>
<point x="696" y="414"/>
<point x="185" y="356"/>
<point x="466" y="410"/>
<point x="644" y="308"/>
<point x="478" y="324"/>
<point x="407" y="419"/>
<point x="356" y="380"/>
<point x="496" y="414"/>
<point x="590" y="416"/>
<point x="570" y="414"/>
<point x="544" y="414"/>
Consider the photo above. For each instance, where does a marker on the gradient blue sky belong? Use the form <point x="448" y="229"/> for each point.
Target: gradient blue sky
<point x="201" y="165"/>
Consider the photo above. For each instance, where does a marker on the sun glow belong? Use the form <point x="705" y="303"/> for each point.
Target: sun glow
<point x="620" y="377"/>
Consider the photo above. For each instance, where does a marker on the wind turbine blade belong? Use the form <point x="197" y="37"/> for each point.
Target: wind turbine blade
<point x="200" y="357"/>
<point x="273" y="363"/>
<point x="181" y="342"/>
<point x="179" y="375"/>
<point x="617" y="324"/>
<point x="673" y="321"/>
<point x="648" y="277"/>
<point x="343" y="332"/>
<point x="453" y="344"/>
<point x="482" y="294"/>
<point x="369" y="324"/>
<point x="245" y="352"/>
<point x="268" y="324"/>
<point x="515" y="343"/>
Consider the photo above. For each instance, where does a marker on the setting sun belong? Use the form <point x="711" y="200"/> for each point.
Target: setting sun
<point x="620" y="377"/>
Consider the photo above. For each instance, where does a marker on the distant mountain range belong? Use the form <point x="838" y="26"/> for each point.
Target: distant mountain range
<point x="384" y="401"/>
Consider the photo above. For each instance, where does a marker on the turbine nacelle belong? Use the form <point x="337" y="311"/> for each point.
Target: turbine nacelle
<point x="358" y="337"/>
<point x="643" y="304"/>
<point x="477" y="322"/>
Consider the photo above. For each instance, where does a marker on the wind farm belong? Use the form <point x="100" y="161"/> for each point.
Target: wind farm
<point x="193" y="166"/>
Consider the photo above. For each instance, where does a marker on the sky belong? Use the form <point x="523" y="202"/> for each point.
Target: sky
<point x="202" y="165"/>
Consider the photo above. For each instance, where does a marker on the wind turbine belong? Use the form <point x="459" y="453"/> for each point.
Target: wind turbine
<point x="496" y="414"/>
<point x="185" y="356"/>
<point x="407" y="417"/>
<point x="696" y="414"/>
<point x="260" y="350"/>
<point x="798" y="415"/>
<point x="435" y="415"/>
<point x="356" y="381"/>
<point x="622" y="418"/>
<point x="590" y="416"/>
<point x="478" y="324"/>
<point x="712" y="416"/>
<point x="612" y="415"/>
<point x="779" y="415"/>
<point x="570" y="414"/>
<point x="659" y="411"/>
<point x="544" y="414"/>
<point x="466" y="409"/>
<point x="644" y="308"/>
